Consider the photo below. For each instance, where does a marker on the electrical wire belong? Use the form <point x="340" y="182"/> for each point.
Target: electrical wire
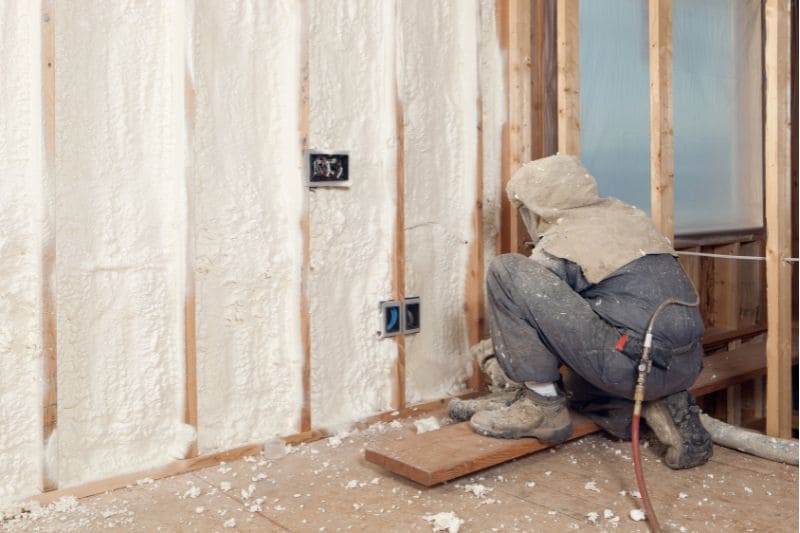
<point x="645" y="364"/>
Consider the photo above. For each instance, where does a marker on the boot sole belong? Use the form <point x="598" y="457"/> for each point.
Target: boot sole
<point x="693" y="444"/>
<point x="551" y="436"/>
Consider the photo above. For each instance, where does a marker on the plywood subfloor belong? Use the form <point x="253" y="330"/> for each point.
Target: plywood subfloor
<point x="326" y="486"/>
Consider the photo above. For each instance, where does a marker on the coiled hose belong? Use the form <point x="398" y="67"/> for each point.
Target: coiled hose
<point x="638" y="396"/>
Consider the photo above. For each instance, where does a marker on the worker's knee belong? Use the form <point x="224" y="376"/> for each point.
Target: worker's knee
<point x="503" y="266"/>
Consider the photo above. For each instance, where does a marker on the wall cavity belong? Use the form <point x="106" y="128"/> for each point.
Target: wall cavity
<point x="120" y="234"/>
<point x="351" y="94"/>
<point x="248" y="197"/>
<point x="21" y="207"/>
<point x="438" y="83"/>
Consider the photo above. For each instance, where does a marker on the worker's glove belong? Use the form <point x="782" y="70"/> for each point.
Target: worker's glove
<point x="483" y="352"/>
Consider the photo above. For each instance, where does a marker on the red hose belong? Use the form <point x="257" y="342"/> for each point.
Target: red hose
<point x="637" y="466"/>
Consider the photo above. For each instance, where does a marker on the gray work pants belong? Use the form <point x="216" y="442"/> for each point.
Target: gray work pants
<point x="538" y="322"/>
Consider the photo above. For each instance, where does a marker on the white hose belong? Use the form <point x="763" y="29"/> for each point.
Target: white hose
<point x="772" y="448"/>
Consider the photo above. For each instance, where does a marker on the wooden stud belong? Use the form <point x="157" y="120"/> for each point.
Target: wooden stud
<point x="520" y="112"/>
<point x="777" y="192"/>
<point x="544" y="134"/>
<point x="398" y="273"/>
<point x="662" y="195"/>
<point x="569" y="98"/>
<point x="514" y="27"/>
<point x="734" y="395"/>
<point x="751" y="285"/>
<point x="508" y="220"/>
<point x="190" y="302"/>
<point x="543" y="105"/>
<point x="305" y="226"/>
<point x="49" y="329"/>
<point x="474" y="297"/>
<point x="725" y="295"/>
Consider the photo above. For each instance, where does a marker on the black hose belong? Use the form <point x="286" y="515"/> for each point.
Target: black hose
<point x="638" y="396"/>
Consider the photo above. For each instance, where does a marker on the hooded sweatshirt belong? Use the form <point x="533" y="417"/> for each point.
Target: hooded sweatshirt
<point x="557" y="198"/>
<point x="607" y="251"/>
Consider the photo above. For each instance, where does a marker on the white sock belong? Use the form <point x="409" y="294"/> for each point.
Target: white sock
<point x="543" y="389"/>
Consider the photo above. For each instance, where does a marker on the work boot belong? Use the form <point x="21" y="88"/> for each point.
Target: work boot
<point x="462" y="410"/>
<point x="531" y="415"/>
<point x="675" y="420"/>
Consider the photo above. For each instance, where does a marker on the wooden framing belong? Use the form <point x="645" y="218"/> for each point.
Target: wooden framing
<point x="398" y="274"/>
<point x="474" y="297"/>
<point x="49" y="331"/>
<point x="661" y="137"/>
<point x="190" y="302"/>
<point x="725" y="288"/>
<point x="517" y="21"/>
<point x="544" y="105"/>
<point x="196" y="463"/>
<point x="569" y="97"/>
<point x="305" y="225"/>
<point x="777" y="192"/>
<point x="725" y="285"/>
<point x="514" y="29"/>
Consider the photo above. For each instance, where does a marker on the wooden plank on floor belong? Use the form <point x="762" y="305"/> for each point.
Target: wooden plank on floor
<point x="437" y="456"/>
<point x="455" y="450"/>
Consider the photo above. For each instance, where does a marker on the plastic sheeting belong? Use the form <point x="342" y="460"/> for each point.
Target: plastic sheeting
<point x="716" y="100"/>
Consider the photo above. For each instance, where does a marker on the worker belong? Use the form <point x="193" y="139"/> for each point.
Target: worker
<point x="583" y="300"/>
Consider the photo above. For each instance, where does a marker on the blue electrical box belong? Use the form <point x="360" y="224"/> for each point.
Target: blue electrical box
<point x="391" y="318"/>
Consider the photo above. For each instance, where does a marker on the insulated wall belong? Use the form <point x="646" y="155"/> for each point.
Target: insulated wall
<point x="438" y="89"/>
<point x="246" y="194"/>
<point x="204" y="296"/>
<point x="21" y="207"/>
<point x="352" y="230"/>
<point x="120" y="218"/>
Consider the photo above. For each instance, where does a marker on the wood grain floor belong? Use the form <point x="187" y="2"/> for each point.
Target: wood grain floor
<point x="326" y="486"/>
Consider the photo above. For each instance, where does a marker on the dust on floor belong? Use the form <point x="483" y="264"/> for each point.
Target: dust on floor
<point x="327" y="485"/>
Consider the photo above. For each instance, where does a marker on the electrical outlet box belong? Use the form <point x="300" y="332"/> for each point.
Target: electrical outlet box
<point x="411" y="315"/>
<point x="391" y="318"/>
<point x="328" y="169"/>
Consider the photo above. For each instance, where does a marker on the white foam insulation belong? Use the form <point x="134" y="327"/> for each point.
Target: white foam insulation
<point x="438" y="88"/>
<point x="248" y="208"/>
<point x="352" y="108"/>
<point x="20" y="251"/>
<point x="178" y="165"/>
<point x="120" y="237"/>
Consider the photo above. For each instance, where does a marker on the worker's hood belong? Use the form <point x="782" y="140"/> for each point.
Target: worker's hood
<point x="546" y="187"/>
<point x="557" y="199"/>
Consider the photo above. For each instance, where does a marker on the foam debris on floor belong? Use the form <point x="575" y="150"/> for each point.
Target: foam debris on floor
<point x="314" y="487"/>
